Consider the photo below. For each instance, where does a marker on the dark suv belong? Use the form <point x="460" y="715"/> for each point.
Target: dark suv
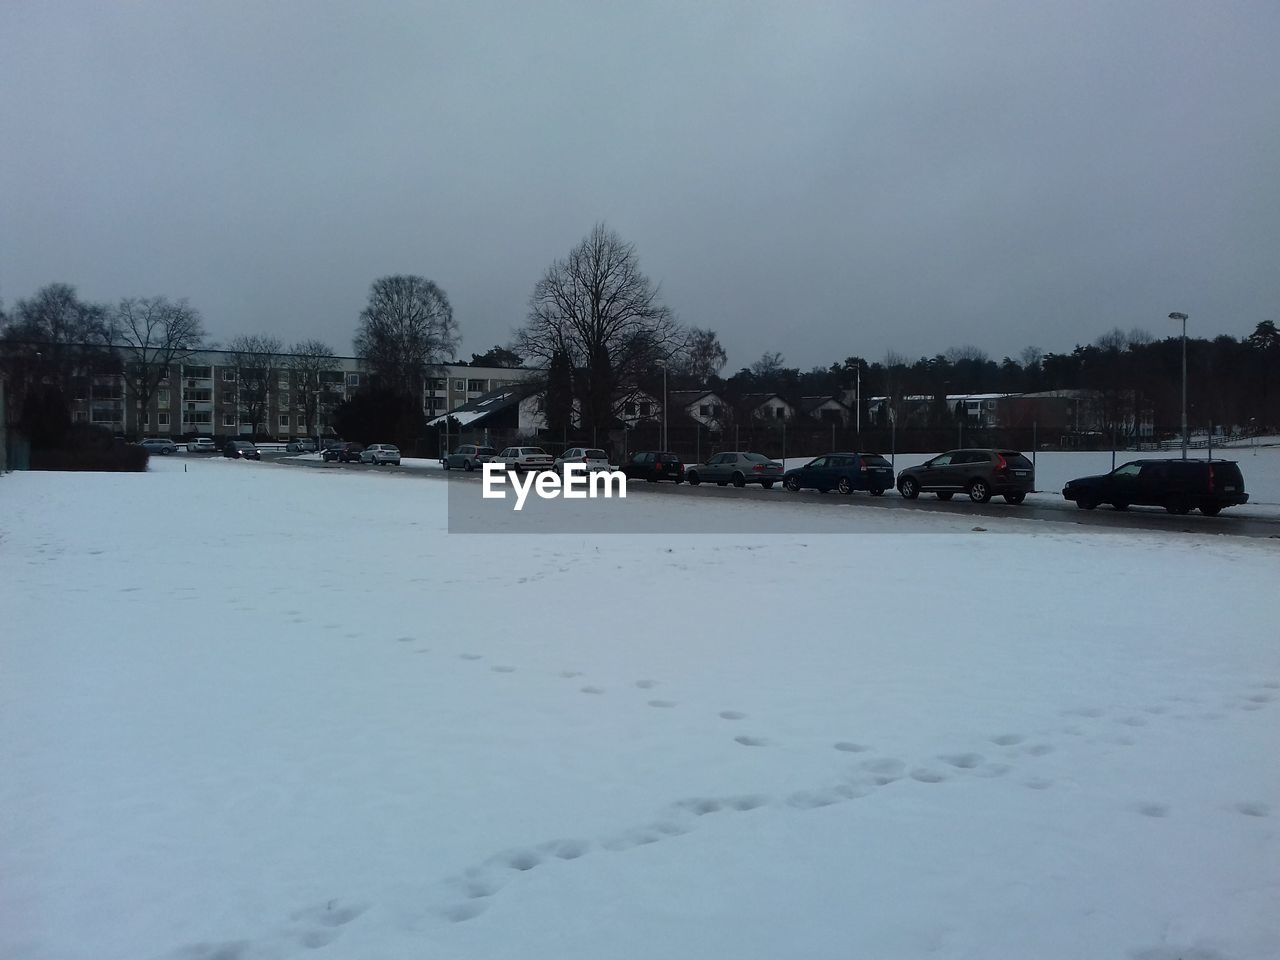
<point x="343" y="453"/>
<point x="845" y="472"/>
<point x="654" y="465"/>
<point x="1177" y="485"/>
<point x="981" y="474"/>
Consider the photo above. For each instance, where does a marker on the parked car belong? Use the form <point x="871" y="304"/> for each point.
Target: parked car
<point x="654" y="465"/>
<point x="241" y="450"/>
<point x="593" y="457"/>
<point x="343" y="452"/>
<point x="159" y="445"/>
<point x="845" y="472"/>
<point x="981" y="474"/>
<point x="468" y="457"/>
<point x="737" y="468"/>
<point x="525" y="458"/>
<point x="1179" y="486"/>
<point x="301" y="445"/>
<point x="380" y="453"/>
<point x="202" y="445"/>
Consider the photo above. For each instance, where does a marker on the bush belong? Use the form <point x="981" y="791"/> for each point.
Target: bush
<point x="86" y="447"/>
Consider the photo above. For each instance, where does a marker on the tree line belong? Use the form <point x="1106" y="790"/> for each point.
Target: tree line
<point x="597" y="327"/>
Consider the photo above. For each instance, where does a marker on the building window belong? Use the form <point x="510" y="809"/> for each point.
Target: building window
<point x="162" y="398"/>
<point x="780" y="412"/>
<point x="283" y="381"/>
<point x="80" y="416"/>
<point x="197" y="418"/>
<point x="302" y="422"/>
<point x="459" y="384"/>
<point x="439" y="383"/>
<point x="629" y="409"/>
<point x="200" y="373"/>
<point x="162" y="418"/>
<point x="228" y="375"/>
<point x="353" y="379"/>
<point x="282" y="400"/>
<point x="646" y="409"/>
<point x="475" y="386"/>
<point x="704" y="410"/>
<point x="146" y="418"/>
<point x="284" y="421"/>
<point x="228" y="419"/>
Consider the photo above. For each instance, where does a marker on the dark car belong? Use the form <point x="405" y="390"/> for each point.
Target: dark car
<point x="1179" y="486"/>
<point x="654" y="465"/>
<point x="845" y="472"/>
<point x="738" y="468"/>
<point x="241" y="450"/>
<point x="343" y="452"/>
<point x="981" y="474"/>
<point x="468" y="457"/>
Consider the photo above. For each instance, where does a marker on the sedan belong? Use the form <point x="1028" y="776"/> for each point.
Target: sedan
<point x="737" y="468"/>
<point x="845" y="472"/>
<point x="158" y="445"/>
<point x="524" y="458"/>
<point x="380" y="453"/>
<point x="241" y="450"/>
<point x="592" y="458"/>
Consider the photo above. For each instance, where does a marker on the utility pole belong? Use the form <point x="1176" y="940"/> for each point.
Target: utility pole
<point x="1183" y="318"/>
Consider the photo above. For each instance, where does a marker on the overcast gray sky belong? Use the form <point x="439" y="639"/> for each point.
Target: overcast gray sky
<point x="818" y="179"/>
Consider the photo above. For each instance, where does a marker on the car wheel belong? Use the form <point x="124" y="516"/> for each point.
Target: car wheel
<point x="1177" y="506"/>
<point x="944" y="494"/>
<point x="1211" y="509"/>
<point x="693" y="478"/>
<point x="165" y="452"/>
<point x="792" y="484"/>
<point x="1014" y="498"/>
<point x="979" y="492"/>
<point x="844" y="486"/>
<point x="1085" y="503"/>
<point x="767" y="484"/>
<point x="739" y="480"/>
<point x="445" y="463"/>
<point x="466" y="465"/>
<point x="909" y="487"/>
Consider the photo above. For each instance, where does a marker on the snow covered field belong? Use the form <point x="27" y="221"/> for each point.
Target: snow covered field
<point x="257" y="711"/>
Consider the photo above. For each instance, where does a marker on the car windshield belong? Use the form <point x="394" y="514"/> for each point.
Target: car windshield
<point x="1015" y="459"/>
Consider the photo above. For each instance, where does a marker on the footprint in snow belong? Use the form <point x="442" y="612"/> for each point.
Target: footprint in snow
<point x="732" y="715"/>
<point x="750" y="741"/>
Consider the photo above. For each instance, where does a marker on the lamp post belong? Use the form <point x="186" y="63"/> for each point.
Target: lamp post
<point x="664" y="408"/>
<point x="1183" y="318"/>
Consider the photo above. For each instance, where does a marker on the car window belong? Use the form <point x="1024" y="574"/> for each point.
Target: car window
<point x="1154" y="471"/>
<point x="755" y="458"/>
<point x="1014" y="459"/>
<point x="942" y="461"/>
<point x="597" y="455"/>
<point x="533" y="451"/>
<point x="484" y="450"/>
<point x="821" y="462"/>
<point x="875" y="460"/>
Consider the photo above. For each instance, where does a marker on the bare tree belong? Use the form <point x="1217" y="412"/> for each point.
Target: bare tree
<point x="1031" y="358"/>
<point x="257" y="359"/>
<point x="769" y="365"/>
<point x="51" y="338"/>
<point x="406" y="328"/>
<point x="308" y="360"/>
<point x="703" y="356"/>
<point x="152" y="334"/>
<point x="606" y="316"/>
<point x="966" y="352"/>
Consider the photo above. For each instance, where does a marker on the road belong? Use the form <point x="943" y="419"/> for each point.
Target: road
<point x="1044" y="507"/>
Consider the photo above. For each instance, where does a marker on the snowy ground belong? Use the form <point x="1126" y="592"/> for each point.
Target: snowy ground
<point x="252" y="711"/>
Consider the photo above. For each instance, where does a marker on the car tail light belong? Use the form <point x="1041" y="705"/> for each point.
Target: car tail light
<point x="586" y="459"/>
<point x="862" y="466"/>
<point x="659" y="466"/>
<point x="1001" y="464"/>
<point x="758" y="468"/>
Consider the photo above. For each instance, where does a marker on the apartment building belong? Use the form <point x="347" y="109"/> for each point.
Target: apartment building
<point x="201" y="397"/>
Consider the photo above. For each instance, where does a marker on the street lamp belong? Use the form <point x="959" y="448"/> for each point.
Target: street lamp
<point x="664" y="407"/>
<point x="1183" y="318"/>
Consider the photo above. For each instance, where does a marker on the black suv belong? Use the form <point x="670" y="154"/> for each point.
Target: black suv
<point x="981" y="474"/>
<point x="1179" y="486"/>
<point x="654" y="465"/>
<point x="845" y="472"/>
